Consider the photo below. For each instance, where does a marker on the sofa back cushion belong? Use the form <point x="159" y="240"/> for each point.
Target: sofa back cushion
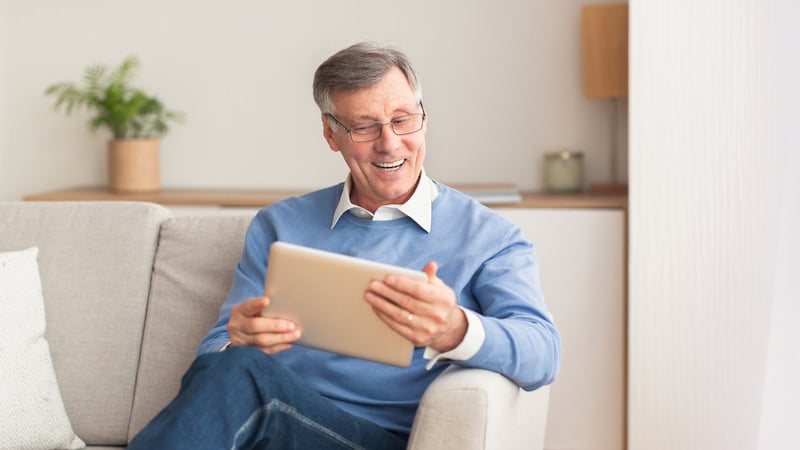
<point x="192" y="274"/>
<point x="95" y="261"/>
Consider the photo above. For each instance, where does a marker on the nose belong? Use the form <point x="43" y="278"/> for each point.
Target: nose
<point x="388" y="140"/>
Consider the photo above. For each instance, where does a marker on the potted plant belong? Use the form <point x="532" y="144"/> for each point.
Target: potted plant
<point x="136" y="121"/>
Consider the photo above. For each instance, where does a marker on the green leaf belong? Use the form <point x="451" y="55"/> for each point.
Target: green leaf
<point x="118" y="106"/>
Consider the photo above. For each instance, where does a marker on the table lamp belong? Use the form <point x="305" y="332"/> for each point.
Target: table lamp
<point x="604" y="46"/>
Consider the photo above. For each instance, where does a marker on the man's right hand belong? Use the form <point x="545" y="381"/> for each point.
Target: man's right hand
<point x="247" y="326"/>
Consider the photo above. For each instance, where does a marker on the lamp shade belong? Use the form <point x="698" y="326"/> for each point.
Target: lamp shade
<point x="604" y="42"/>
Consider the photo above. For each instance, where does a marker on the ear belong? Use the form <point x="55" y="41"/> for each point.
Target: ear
<point x="327" y="132"/>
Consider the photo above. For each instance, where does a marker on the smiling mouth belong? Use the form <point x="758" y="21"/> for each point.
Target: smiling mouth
<point x="389" y="165"/>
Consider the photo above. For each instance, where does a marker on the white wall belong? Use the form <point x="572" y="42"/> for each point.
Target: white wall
<point x="713" y="225"/>
<point x="5" y="185"/>
<point x="501" y="79"/>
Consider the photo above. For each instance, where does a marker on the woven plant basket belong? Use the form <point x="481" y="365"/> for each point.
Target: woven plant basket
<point x="133" y="166"/>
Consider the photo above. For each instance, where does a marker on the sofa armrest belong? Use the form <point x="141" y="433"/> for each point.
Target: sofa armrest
<point x="468" y="409"/>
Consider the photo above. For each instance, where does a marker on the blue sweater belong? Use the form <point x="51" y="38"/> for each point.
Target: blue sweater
<point x="482" y="256"/>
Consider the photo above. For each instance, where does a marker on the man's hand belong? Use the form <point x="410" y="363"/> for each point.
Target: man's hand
<point x="424" y="312"/>
<point x="270" y="334"/>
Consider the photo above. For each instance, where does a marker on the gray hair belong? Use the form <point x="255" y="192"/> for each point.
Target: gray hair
<point x="357" y="67"/>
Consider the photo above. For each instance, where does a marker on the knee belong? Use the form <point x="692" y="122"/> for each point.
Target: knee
<point x="246" y="360"/>
<point x="242" y="354"/>
<point x="243" y="360"/>
<point x="248" y="368"/>
<point x="240" y="359"/>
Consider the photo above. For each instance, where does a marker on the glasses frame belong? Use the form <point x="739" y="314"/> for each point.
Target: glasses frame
<point x="382" y="125"/>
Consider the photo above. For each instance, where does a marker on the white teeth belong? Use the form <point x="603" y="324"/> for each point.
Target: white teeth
<point x="391" y="165"/>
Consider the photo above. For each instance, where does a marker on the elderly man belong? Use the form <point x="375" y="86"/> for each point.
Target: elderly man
<point x="481" y="305"/>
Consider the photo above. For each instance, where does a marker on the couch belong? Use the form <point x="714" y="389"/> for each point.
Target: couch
<point x="129" y="290"/>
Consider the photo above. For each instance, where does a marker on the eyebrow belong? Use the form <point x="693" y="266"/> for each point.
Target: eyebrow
<point x="398" y="112"/>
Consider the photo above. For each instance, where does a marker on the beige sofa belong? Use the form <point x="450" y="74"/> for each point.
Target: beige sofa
<point x="129" y="290"/>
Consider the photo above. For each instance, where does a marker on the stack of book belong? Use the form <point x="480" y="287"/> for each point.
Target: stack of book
<point x="491" y="194"/>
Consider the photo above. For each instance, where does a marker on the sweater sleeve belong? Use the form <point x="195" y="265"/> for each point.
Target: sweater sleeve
<point x="248" y="282"/>
<point x="521" y="340"/>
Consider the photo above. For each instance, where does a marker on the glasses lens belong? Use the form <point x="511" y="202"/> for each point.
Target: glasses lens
<point x="368" y="132"/>
<point x="407" y="124"/>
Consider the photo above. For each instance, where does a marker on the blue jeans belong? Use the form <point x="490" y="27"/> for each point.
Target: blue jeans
<point x="244" y="399"/>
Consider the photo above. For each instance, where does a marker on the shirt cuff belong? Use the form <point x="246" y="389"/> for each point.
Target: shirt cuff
<point x="225" y="347"/>
<point x="469" y="346"/>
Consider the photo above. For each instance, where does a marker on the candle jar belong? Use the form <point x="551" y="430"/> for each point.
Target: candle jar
<point x="563" y="172"/>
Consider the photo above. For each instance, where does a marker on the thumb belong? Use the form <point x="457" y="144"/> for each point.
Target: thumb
<point x="255" y="306"/>
<point x="430" y="270"/>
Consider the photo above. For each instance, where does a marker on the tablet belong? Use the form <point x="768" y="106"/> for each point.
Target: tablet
<point x="323" y="292"/>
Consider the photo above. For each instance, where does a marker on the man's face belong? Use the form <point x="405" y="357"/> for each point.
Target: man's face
<point x="384" y="171"/>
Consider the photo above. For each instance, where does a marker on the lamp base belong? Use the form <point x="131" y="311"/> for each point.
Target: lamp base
<point x="608" y="189"/>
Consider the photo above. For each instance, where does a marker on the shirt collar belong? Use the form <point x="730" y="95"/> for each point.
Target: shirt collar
<point x="417" y="207"/>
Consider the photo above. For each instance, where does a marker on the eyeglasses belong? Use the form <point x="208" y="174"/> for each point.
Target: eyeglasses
<point x="367" y="132"/>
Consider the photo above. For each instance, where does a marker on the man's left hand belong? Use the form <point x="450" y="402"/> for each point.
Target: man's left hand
<point x="424" y="312"/>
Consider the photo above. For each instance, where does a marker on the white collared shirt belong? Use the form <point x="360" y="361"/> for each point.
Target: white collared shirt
<point x="419" y="208"/>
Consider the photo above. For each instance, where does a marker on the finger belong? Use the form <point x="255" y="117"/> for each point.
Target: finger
<point x="410" y="314"/>
<point x="252" y="307"/>
<point x="266" y="324"/>
<point x="393" y="302"/>
<point x="404" y="291"/>
<point x="265" y="340"/>
<point x="430" y="270"/>
<point x="409" y="326"/>
<point x="276" y="348"/>
<point x="272" y="323"/>
<point x="269" y="340"/>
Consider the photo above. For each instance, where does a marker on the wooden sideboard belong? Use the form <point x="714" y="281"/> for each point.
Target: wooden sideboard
<point x="254" y="198"/>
